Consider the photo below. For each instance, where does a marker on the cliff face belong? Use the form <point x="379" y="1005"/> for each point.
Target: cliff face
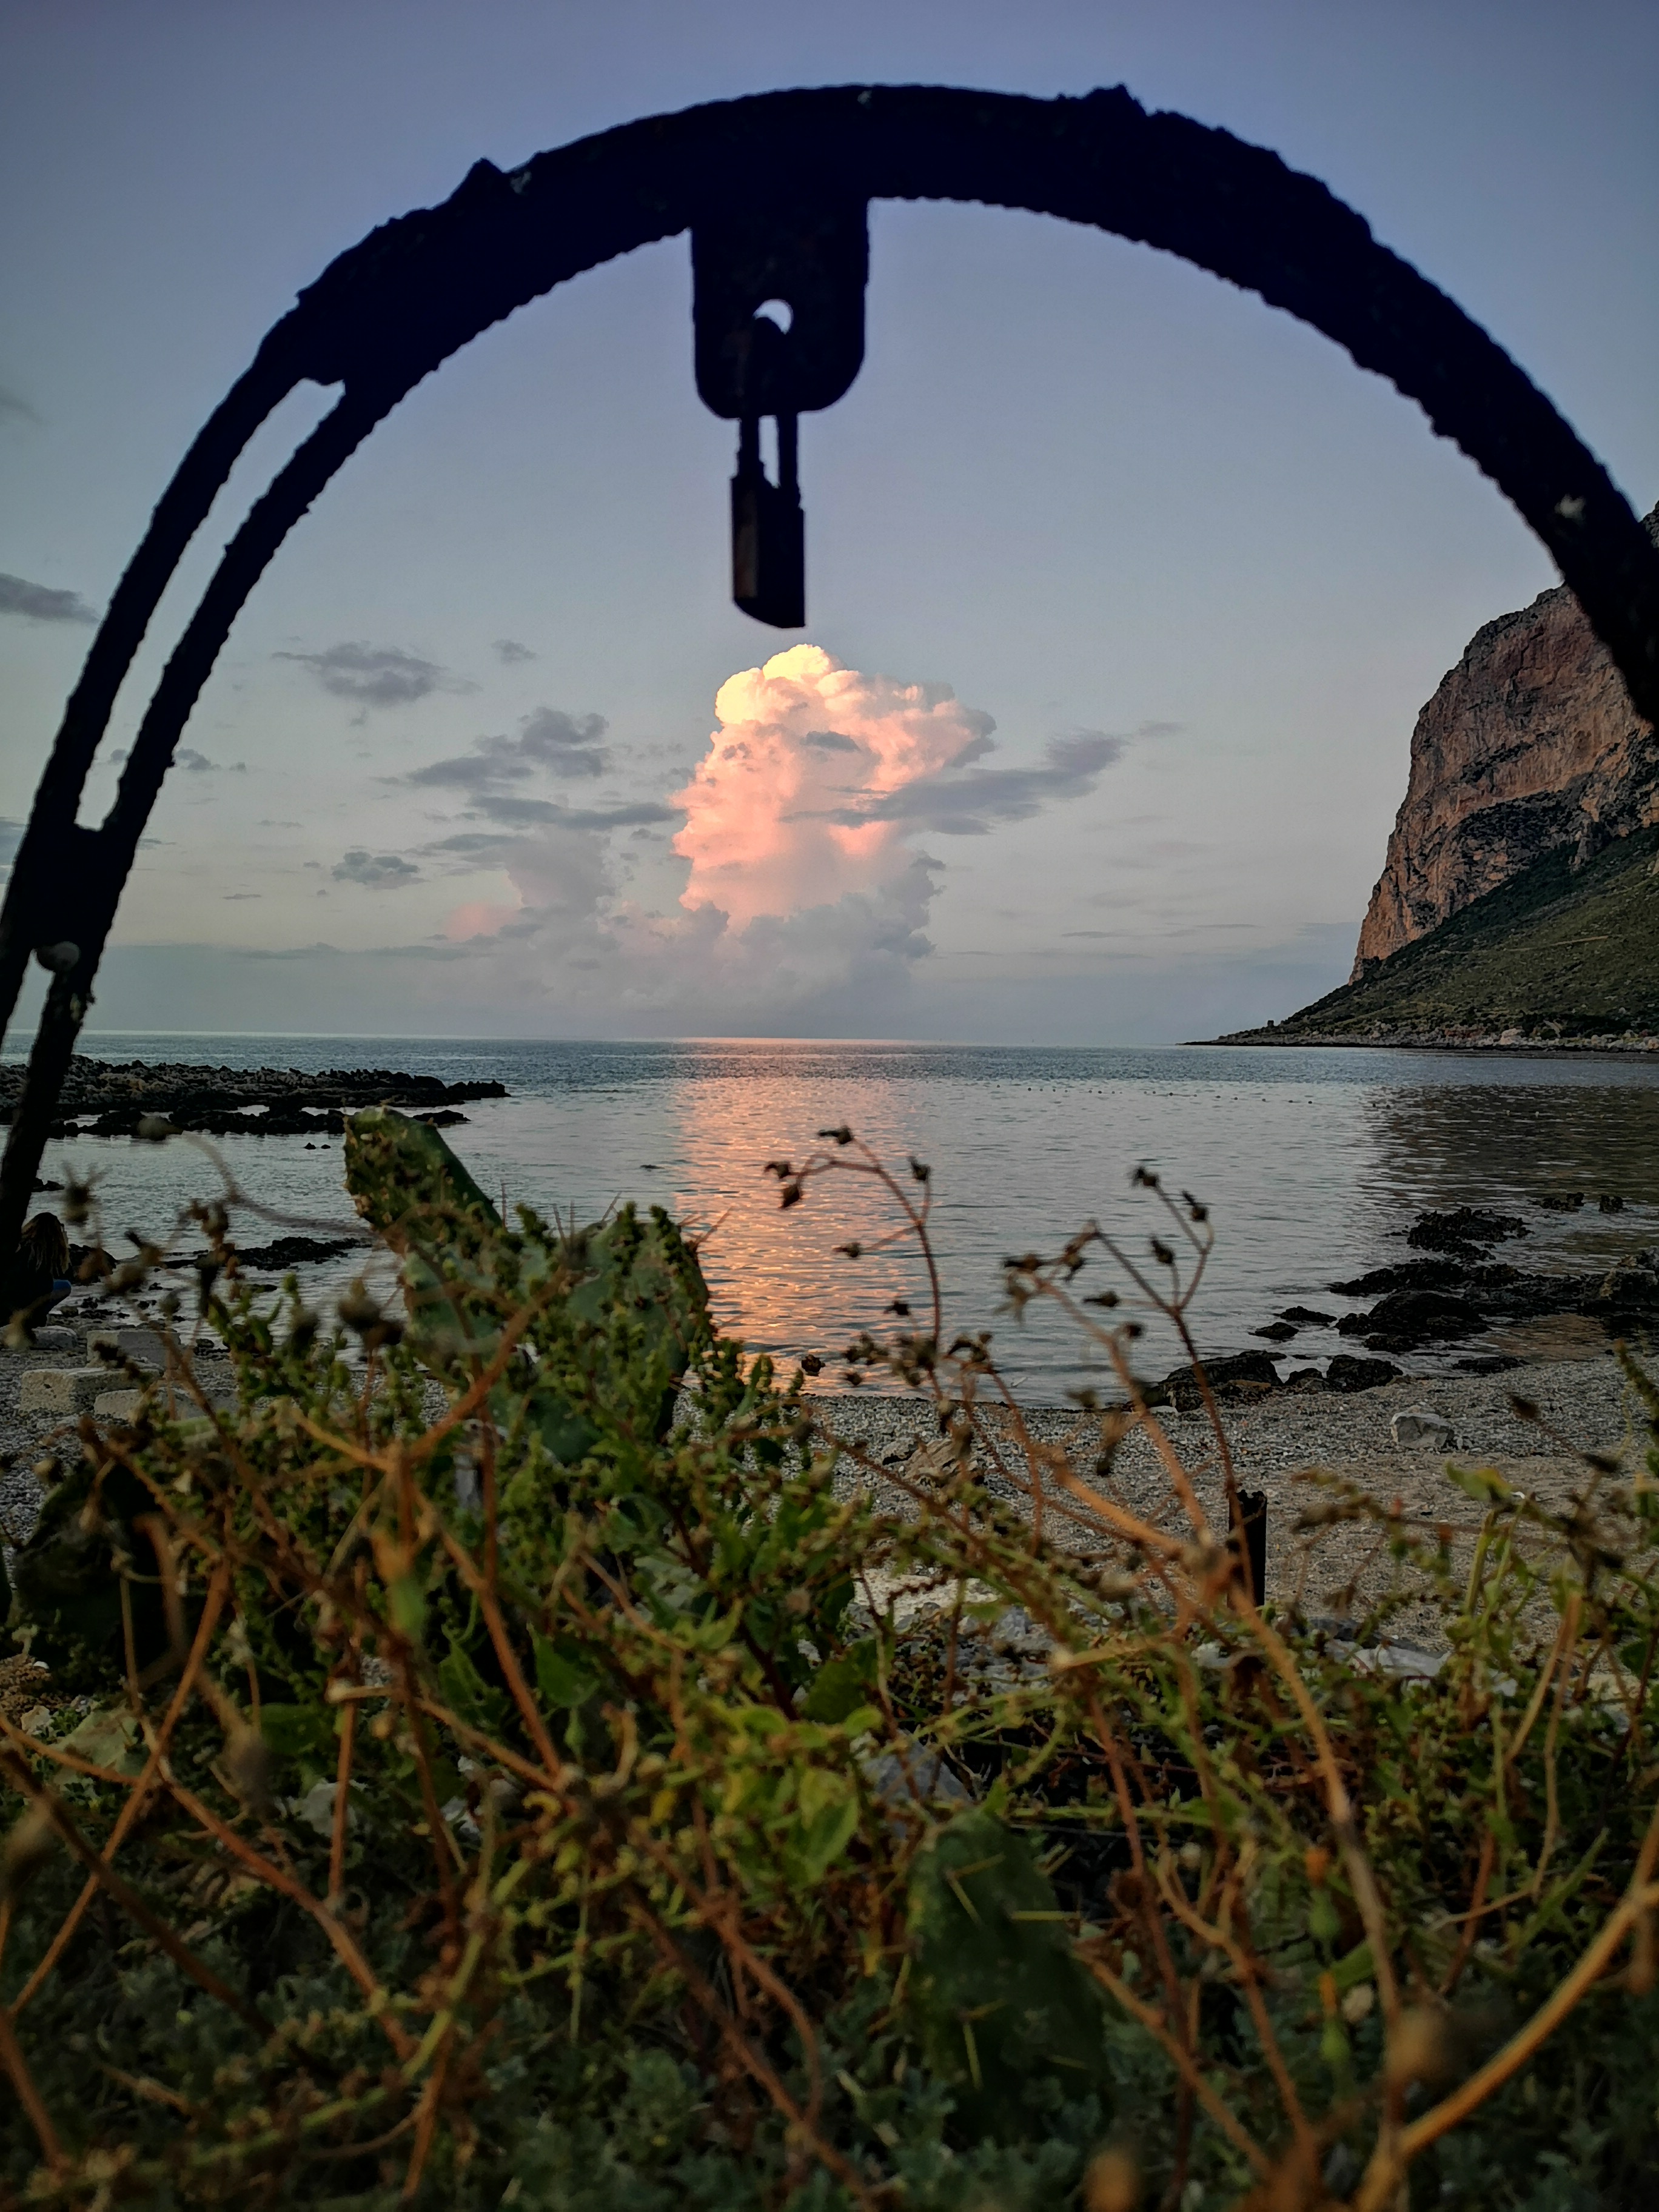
<point x="1530" y="744"/>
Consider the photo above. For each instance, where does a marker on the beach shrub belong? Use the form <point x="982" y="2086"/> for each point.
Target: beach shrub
<point x="523" y="1758"/>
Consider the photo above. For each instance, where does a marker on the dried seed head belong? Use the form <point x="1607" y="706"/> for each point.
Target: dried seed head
<point x="1112" y="2182"/>
<point x="1421" y="2048"/>
<point x="247" y="1768"/>
<point x="27" y="1848"/>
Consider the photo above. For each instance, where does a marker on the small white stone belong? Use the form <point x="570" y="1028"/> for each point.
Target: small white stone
<point x="1421" y="1425"/>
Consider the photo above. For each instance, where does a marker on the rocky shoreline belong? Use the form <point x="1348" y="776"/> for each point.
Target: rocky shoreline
<point x="1512" y="1041"/>
<point x="105" y="1098"/>
<point x="1452" y="1290"/>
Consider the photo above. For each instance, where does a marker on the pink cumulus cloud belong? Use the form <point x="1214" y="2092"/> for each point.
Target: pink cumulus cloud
<point x="478" y="918"/>
<point x="806" y="747"/>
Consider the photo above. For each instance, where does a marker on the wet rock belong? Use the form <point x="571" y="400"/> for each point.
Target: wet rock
<point x="1306" y="1317"/>
<point x="285" y="1252"/>
<point x="1565" y="1202"/>
<point x="1347" y="1373"/>
<point x="1240" y="1375"/>
<point x="1405" y="1319"/>
<point x="1410" y="1275"/>
<point x="1304" y="1378"/>
<point x="1277" y="1332"/>
<point x="1492" y="1363"/>
<point x="114" y="1097"/>
<point x="1609" y="1205"/>
<point x="1465" y="1227"/>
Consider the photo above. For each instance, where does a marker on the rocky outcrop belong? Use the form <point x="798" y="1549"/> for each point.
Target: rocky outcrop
<point x="269" y="1101"/>
<point x="1530" y="744"/>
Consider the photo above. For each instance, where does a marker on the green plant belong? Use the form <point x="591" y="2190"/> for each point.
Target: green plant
<point x="535" y="1762"/>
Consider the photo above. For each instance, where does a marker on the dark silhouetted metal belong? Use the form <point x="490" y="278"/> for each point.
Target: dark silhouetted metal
<point x="768" y="529"/>
<point x="774" y="189"/>
<point x="1249" y="1538"/>
<point x="813" y="255"/>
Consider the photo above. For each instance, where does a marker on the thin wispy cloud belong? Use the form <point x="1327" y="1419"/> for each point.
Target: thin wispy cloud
<point x="376" y="675"/>
<point x="478" y="848"/>
<point x="622" y="816"/>
<point x="965" y="805"/>
<point x="41" y="603"/>
<point x="510" y="653"/>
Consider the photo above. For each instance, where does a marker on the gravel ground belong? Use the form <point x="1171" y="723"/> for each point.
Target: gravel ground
<point x="1276" y="1442"/>
<point x="1279" y="1441"/>
<point x="27" y="1438"/>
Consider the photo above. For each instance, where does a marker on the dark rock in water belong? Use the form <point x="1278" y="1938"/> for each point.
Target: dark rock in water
<point x="1465" y="1226"/>
<point x="1410" y="1275"/>
<point x="1408" y="1318"/>
<point x="1305" y="1317"/>
<point x="226" y="1100"/>
<point x="1609" y="1205"/>
<point x="1347" y="1373"/>
<point x="1277" y="1332"/>
<point x="285" y="1252"/>
<point x="1565" y="1201"/>
<point x="1240" y="1374"/>
<point x="1305" y="1378"/>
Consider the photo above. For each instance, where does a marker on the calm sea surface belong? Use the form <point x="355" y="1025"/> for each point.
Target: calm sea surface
<point x="1312" y="1161"/>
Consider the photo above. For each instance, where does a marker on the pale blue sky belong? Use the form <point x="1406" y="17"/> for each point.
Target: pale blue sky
<point x="1091" y="490"/>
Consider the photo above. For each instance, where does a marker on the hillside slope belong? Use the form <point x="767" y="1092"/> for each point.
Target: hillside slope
<point x="1563" y="950"/>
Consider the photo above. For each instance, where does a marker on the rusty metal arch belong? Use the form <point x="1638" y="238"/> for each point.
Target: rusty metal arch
<point x="390" y="309"/>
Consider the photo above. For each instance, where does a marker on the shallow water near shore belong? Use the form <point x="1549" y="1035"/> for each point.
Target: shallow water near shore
<point x="1312" y="1163"/>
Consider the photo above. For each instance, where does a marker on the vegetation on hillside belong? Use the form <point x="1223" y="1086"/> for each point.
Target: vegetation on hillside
<point x="1555" y="952"/>
<point x="523" y="1768"/>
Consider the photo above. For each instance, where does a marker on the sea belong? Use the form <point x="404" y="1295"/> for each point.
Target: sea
<point x="1311" y="1164"/>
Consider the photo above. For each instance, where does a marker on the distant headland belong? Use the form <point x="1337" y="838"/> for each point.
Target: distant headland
<point x="1518" y="906"/>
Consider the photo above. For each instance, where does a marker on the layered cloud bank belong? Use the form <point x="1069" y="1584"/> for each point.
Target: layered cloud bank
<point x="802" y="884"/>
<point x="788" y="883"/>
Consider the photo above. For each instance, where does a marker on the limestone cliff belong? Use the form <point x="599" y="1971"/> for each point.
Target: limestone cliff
<point x="1530" y="744"/>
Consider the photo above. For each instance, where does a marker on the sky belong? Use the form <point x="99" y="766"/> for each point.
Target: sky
<point x="1124" y="590"/>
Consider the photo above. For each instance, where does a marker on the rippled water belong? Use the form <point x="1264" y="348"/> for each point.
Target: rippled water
<point x="1312" y="1162"/>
